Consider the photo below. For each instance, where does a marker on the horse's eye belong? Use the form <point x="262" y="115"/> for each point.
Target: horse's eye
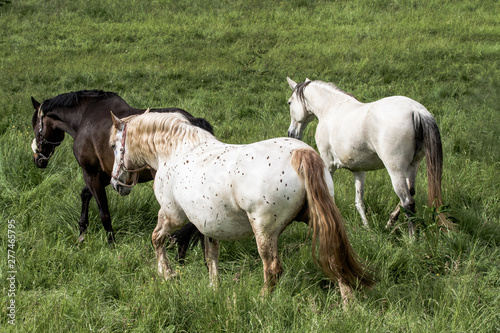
<point x="113" y="146"/>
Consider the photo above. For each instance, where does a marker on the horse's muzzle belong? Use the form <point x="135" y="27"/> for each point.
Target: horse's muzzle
<point x="40" y="161"/>
<point x="294" y="134"/>
<point x="122" y="190"/>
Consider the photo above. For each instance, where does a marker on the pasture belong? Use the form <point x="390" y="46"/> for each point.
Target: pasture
<point x="227" y="61"/>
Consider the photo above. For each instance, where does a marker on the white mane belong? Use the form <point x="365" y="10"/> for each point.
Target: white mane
<point x="331" y="88"/>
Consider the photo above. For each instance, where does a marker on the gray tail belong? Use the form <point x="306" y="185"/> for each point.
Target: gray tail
<point x="428" y="132"/>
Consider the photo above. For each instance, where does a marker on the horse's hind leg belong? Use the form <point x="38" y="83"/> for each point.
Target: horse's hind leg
<point x="86" y="196"/>
<point x="268" y="251"/>
<point x="410" y="182"/>
<point x="359" y="180"/>
<point x="412" y="175"/>
<point x="212" y="260"/>
<point x="400" y="184"/>
<point x="345" y="292"/>
<point x="394" y="216"/>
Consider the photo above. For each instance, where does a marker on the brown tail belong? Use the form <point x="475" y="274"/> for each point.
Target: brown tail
<point x="336" y="256"/>
<point x="434" y="161"/>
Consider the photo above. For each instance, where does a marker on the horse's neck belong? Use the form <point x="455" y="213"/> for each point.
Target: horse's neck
<point x="158" y="157"/>
<point x="70" y="119"/>
<point x="66" y="119"/>
<point x="325" y="100"/>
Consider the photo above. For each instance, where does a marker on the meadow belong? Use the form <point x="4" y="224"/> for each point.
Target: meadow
<point x="227" y="61"/>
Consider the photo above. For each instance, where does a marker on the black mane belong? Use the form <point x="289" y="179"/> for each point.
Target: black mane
<point x="72" y="99"/>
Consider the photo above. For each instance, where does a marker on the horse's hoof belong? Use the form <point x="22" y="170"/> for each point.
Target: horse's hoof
<point x="168" y="274"/>
<point x="81" y="238"/>
<point x="111" y="238"/>
<point x="389" y="224"/>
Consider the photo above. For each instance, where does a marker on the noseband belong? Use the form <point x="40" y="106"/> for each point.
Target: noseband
<point x="121" y="165"/>
<point x="43" y="141"/>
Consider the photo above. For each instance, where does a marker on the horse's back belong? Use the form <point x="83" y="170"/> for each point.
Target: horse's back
<point x="233" y="185"/>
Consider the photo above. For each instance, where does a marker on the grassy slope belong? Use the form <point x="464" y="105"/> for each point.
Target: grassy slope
<point x="227" y="61"/>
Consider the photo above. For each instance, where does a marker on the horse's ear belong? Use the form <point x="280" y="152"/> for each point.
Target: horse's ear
<point x="291" y="83"/>
<point x="147" y="110"/>
<point x="116" y="122"/>
<point x="35" y="103"/>
<point x="307" y="80"/>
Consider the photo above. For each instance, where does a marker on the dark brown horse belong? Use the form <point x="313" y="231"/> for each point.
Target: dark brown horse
<point x="85" y="116"/>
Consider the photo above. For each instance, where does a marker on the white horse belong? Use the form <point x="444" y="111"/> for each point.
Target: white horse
<point x="393" y="133"/>
<point x="231" y="192"/>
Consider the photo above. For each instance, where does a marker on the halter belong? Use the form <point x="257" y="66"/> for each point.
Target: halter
<point x="121" y="165"/>
<point x="43" y="141"/>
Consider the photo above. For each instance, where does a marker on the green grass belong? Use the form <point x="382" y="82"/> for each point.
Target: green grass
<point x="227" y="61"/>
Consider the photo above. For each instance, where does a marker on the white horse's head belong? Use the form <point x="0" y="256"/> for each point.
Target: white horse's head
<point x="298" y="110"/>
<point x="123" y="176"/>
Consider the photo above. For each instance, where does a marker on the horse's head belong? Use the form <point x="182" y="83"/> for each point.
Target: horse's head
<point x="125" y="173"/>
<point x="47" y="136"/>
<point x="298" y="110"/>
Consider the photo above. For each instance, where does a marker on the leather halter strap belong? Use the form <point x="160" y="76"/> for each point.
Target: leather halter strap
<point x="42" y="140"/>
<point x="121" y="165"/>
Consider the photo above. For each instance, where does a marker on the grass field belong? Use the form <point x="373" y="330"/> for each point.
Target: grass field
<point x="227" y="61"/>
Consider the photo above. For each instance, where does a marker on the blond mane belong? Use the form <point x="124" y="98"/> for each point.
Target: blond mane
<point x="159" y="134"/>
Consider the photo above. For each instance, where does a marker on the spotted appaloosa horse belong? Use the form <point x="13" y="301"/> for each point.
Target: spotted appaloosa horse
<point x="84" y="115"/>
<point x="230" y="192"/>
<point x="393" y="133"/>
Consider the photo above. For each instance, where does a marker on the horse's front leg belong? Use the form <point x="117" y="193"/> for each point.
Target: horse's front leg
<point x="212" y="260"/>
<point x="163" y="229"/>
<point x="359" y="181"/>
<point x="97" y="186"/>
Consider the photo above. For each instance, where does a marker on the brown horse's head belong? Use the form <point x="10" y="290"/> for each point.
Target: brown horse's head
<point x="47" y="136"/>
